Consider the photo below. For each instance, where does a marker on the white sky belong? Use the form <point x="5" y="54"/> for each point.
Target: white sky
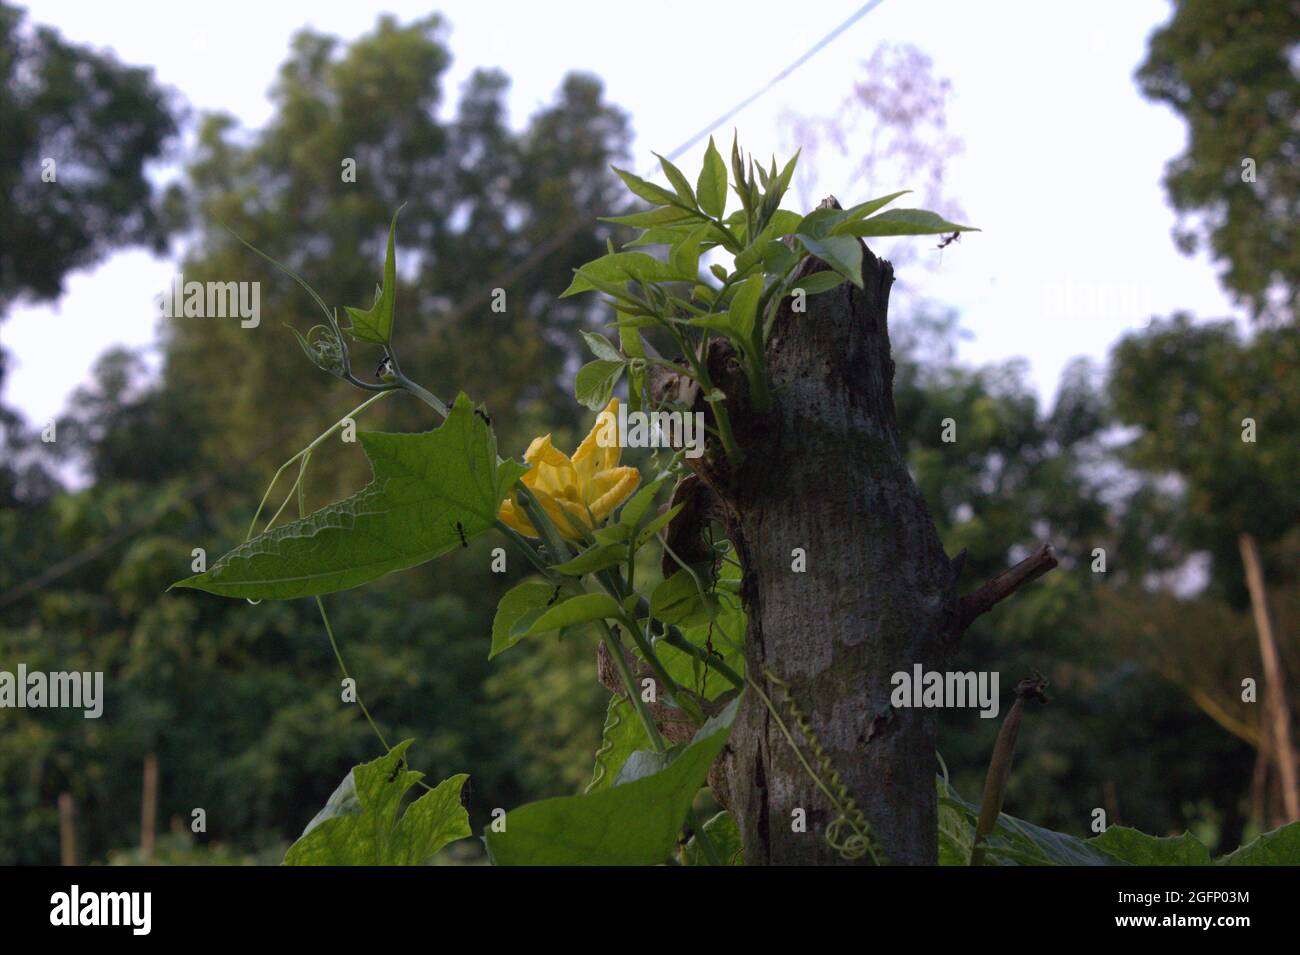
<point x="1061" y="166"/>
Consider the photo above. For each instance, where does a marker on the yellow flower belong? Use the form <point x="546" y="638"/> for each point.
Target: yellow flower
<point x="579" y="492"/>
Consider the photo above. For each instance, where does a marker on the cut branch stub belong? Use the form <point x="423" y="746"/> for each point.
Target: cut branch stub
<point x="1004" y="585"/>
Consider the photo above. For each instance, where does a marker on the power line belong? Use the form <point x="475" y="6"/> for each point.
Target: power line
<point x="559" y="239"/>
<point x="513" y="274"/>
<point x="808" y="54"/>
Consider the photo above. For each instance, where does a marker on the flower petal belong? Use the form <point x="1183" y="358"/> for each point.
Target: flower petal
<point x="514" y="517"/>
<point x="611" y="488"/>
<point x="600" y="449"/>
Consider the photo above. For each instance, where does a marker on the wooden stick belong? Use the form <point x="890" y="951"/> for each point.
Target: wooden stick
<point x="149" y="808"/>
<point x="67" y="830"/>
<point x="1275" y="702"/>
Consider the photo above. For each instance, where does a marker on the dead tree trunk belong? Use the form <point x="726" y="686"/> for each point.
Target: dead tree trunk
<point x="824" y="474"/>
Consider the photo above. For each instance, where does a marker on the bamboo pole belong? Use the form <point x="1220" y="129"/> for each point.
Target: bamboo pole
<point x="67" y="830"/>
<point x="149" y="808"/>
<point x="1277" y="710"/>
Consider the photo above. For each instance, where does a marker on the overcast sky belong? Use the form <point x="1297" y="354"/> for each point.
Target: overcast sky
<point x="1061" y="164"/>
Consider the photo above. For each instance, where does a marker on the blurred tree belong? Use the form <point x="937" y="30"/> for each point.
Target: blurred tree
<point x="478" y="196"/>
<point x="242" y="704"/>
<point x="1229" y="68"/>
<point x="1189" y="388"/>
<point x="1217" y="419"/>
<point x="100" y="123"/>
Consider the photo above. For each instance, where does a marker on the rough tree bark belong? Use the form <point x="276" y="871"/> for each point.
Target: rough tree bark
<point x="824" y="471"/>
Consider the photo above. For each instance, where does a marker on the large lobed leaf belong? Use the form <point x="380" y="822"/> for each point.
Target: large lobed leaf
<point x="359" y="824"/>
<point x="1279" y="847"/>
<point x="630" y="823"/>
<point x="622" y="735"/>
<point x="424" y="486"/>
<point x="1016" y="842"/>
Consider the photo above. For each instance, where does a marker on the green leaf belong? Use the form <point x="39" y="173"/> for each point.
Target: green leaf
<point x="903" y="222"/>
<point x="679" y="182"/>
<point x="657" y="195"/>
<point x="711" y="187"/>
<point x="684" y="257"/>
<point x="571" y="612"/>
<point x="819" y="282"/>
<point x="781" y="224"/>
<point x="643" y="763"/>
<point x="593" y="559"/>
<point x="721" y="323"/>
<point x="633" y="824"/>
<point x="744" y="307"/>
<point x="601" y="346"/>
<point x="428" y="490"/>
<point x="663" y="234"/>
<point x="843" y="253"/>
<point x="664" y="215"/>
<point x="677" y="601"/>
<point x="739" y="321"/>
<point x="359" y="824"/>
<point x="1279" y="847"/>
<point x="862" y="210"/>
<point x="727" y="637"/>
<point x="526" y="601"/>
<point x="639" y="504"/>
<point x="1012" y="842"/>
<point x="783" y="180"/>
<point x="621" y="267"/>
<point x="376" y="323"/>
<point x="778" y="258"/>
<point x="819" y="222"/>
<point x="1138" y="848"/>
<point x="725" y="836"/>
<point x="630" y="339"/>
<point x="622" y="736"/>
<point x="594" y="385"/>
<point x="659" y="522"/>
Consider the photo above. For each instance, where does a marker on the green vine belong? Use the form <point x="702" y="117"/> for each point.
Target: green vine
<point x="859" y="840"/>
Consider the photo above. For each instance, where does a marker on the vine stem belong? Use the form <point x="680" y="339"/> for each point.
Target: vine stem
<point x="320" y="605"/>
<point x="629" y="681"/>
<point x="305" y="452"/>
<point x="701" y="374"/>
<point x="861" y="842"/>
<point x="652" y="731"/>
<point x="303" y="458"/>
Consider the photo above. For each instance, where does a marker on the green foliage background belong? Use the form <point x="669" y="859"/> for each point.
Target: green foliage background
<point x="241" y="704"/>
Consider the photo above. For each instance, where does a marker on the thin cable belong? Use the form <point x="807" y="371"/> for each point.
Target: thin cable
<point x="559" y="239"/>
<point x="812" y="51"/>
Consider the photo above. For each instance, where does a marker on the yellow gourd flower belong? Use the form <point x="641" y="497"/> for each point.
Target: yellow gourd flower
<point x="578" y="492"/>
